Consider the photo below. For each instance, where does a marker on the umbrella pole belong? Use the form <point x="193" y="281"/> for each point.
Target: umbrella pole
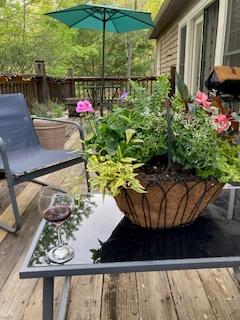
<point x="103" y="65"/>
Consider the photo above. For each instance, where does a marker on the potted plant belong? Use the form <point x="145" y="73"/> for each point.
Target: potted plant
<point x="163" y="162"/>
<point x="51" y="134"/>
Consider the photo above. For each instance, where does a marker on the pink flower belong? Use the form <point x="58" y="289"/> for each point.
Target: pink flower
<point x="202" y="99"/>
<point x="84" y="106"/>
<point x="221" y="123"/>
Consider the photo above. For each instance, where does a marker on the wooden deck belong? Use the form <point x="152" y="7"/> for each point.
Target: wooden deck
<point x="176" y="295"/>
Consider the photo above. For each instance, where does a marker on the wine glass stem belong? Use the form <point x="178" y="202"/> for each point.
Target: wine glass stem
<point x="60" y="242"/>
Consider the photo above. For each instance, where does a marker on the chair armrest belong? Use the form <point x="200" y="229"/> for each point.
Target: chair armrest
<point x="3" y="153"/>
<point x="80" y="130"/>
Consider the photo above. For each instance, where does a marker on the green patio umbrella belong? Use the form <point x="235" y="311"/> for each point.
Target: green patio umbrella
<point x="103" y="18"/>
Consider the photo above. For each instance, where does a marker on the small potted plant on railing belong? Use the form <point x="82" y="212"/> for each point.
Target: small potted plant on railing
<point x="163" y="159"/>
<point x="51" y="134"/>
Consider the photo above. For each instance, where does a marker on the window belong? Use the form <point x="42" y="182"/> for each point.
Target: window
<point x="197" y="43"/>
<point x="197" y="54"/>
<point x="210" y="27"/>
<point x="232" y="41"/>
<point x="183" y="35"/>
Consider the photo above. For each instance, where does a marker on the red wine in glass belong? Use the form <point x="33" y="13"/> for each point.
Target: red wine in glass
<point x="56" y="207"/>
<point x="56" y="214"/>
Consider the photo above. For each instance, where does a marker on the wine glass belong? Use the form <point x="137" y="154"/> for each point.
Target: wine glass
<point x="55" y="207"/>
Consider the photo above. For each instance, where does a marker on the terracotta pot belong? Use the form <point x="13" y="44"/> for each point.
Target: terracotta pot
<point x="50" y="134"/>
<point x="168" y="202"/>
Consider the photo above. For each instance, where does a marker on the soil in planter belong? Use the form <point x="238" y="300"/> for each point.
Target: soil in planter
<point x="158" y="165"/>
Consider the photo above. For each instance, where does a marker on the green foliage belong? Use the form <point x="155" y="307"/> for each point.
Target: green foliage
<point x="114" y="175"/>
<point x="144" y="126"/>
<point x="50" y="109"/>
<point x="128" y="137"/>
<point x="137" y="134"/>
<point x="182" y="89"/>
<point x="195" y="144"/>
<point x="227" y="164"/>
<point x="177" y="103"/>
<point x="26" y="34"/>
<point x="73" y="185"/>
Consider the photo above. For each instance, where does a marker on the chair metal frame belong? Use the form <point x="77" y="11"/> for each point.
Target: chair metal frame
<point x="13" y="179"/>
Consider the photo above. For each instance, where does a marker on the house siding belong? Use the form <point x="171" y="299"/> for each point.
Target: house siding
<point x="167" y="42"/>
<point x="167" y="46"/>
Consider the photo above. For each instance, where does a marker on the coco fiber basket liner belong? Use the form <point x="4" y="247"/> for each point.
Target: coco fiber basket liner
<point x="169" y="202"/>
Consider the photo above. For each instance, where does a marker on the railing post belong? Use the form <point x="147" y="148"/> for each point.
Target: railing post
<point x="172" y="80"/>
<point x="70" y="75"/>
<point x="43" y="92"/>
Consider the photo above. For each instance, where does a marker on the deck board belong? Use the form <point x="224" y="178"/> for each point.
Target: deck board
<point x="34" y="305"/>
<point x="177" y="295"/>
<point x="189" y="296"/>
<point x="85" y="298"/>
<point x="223" y="294"/>
<point x="11" y="249"/>
<point x="119" y="300"/>
<point x="155" y="297"/>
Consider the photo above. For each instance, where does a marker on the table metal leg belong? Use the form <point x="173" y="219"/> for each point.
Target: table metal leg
<point x="48" y="298"/>
<point x="232" y="194"/>
<point x="237" y="202"/>
<point x="236" y="271"/>
<point x="62" y="310"/>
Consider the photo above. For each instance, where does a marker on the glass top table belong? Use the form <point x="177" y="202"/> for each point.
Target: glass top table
<point x="104" y="241"/>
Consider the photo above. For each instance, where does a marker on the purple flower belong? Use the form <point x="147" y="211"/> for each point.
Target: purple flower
<point x="84" y="106"/>
<point x="124" y="96"/>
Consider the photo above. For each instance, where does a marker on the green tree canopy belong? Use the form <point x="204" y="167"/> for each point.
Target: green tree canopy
<point x="26" y="34"/>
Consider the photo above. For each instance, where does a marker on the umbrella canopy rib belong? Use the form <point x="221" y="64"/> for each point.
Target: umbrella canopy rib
<point x="137" y="19"/>
<point x="113" y="22"/>
<point x="82" y="19"/>
<point x="111" y="16"/>
<point x="93" y="14"/>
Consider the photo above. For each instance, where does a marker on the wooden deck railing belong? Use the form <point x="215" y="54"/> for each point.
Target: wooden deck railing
<point x="81" y="85"/>
<point x="26" y="84"/>
<point x="42" y="88"/>
<point x="39" y="88"/>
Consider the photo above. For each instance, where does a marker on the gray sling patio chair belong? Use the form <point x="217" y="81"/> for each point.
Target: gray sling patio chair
<point x="22" y="158"/>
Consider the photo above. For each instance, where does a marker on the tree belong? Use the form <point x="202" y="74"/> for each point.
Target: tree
<point x="26" y="34"/>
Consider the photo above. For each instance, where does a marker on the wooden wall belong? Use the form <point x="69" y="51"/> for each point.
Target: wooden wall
<point x="167" y="49"/>
<point x="167" y="42"/>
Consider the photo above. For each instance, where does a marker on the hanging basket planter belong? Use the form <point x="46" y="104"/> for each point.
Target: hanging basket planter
<point x="169" y="201"/>
<point x="152" y="157"/>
